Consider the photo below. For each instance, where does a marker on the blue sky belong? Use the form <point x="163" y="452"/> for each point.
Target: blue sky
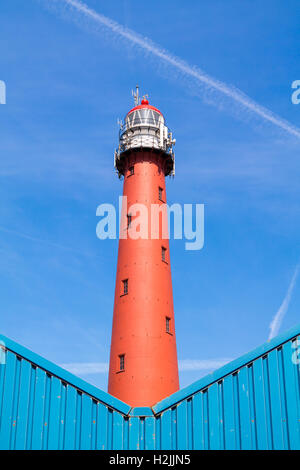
<point x="67" y="83"/>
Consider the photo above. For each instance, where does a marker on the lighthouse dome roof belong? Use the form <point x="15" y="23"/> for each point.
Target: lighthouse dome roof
<point x="144" y="127"/>
<point x="144" y="105"/>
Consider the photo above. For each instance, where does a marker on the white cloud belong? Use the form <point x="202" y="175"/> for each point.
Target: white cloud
<point x="202" y="364"/>
<point x="193" y="73"/>
<point x="281" y="312"/>
<point x="86" y="368"/>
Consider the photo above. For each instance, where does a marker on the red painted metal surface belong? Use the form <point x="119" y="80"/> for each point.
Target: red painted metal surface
<point x="144" y="105"/>
<point x="139" y="330"/>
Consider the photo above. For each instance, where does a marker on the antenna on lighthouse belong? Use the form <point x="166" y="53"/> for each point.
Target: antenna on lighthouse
<point x="136" y="95"/>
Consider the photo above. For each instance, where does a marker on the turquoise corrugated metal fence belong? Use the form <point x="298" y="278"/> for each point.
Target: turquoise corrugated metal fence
<point x="251" y="403"/>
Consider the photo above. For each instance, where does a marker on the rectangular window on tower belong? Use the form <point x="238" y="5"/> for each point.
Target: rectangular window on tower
<point x="129" y="218"/>
<point x="164" y="254"/>
<point x="125" y="287"/>
<point x="122" y="362"/>
<point x="168" y="327"/>
<point x="131" y="171"/>
<point x="160" y="194"/>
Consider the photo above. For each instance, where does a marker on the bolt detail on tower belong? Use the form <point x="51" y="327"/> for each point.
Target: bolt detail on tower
<point x="143" y="357"/>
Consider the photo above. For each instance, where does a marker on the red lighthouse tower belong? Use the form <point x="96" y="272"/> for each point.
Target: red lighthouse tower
<point x="143" y="358"/>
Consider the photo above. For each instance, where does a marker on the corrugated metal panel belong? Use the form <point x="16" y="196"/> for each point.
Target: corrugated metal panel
<point x="45" y="407"/>
<point x="251" y="403"/>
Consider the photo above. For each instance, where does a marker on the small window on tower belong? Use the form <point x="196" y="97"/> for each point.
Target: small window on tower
<point x="125" y="287"/>
<point x="160" y="194"/>
<point x="164" y="254"/>
<point x="131" y="171"/>
<point x="122" y="361"/>
<point x="129" y="218"/>
<point x="168" y="328"/>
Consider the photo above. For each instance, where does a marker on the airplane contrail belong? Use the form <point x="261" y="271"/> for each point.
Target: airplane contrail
<point x="193" y="72"/>
<point x="281" y="312"/>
